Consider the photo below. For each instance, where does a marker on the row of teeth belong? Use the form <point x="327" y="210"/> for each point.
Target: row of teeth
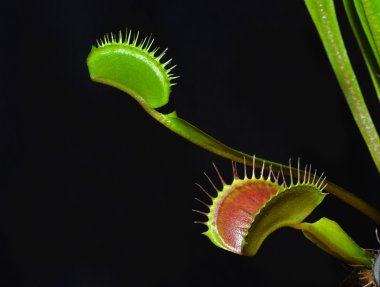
<point x="145" y="45"/>
<point x="308" y="178"/>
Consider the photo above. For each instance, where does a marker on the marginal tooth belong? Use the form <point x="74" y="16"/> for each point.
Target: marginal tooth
<point x="154" y="51"/>
<point x="142" y="43"/>
<point x="322" y="184"/>
<point x="162" y="54"/>
<point x="200" y="212"/>
<point x="320" y="177"/>
<point x="167" y="63"/>
<point x="283" y="176"/>
<point x="213" y="185"/>
<point x="150" y="43"/>
<point x="245" y="169"/>
<point x="270" y="174"/>
<point x="304" y="174"/>
<point x="202" y="202"/>
<point x="298" y="171"/>
<point x="253" y="167"/>
<point x="291" y="172"/>
<point x="277" y="177"/>
<point x="135" y="39"/>
<point x="129" y="37"/>
<point x="204" y="190"/>
<point x="315" y="174"/>
<point x="234" y="170"/>
<point x="171" y="68"/>
<point x="219" y="175"/>
<point x="262" y="170"/>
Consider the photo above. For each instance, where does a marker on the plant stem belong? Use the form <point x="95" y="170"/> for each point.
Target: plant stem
<point x="200" y="138"/>
<point x="106" y="70"/>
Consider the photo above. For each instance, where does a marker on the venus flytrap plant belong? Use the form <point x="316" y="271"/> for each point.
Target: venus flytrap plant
<point x="247" y="210"/>
<point x="113" y="55"/>
<point x="238" y="218"/>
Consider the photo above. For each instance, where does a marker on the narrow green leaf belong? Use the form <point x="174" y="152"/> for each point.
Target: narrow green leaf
<point x="371" y="9"/>
<point x="367" y="45"/>
<point x="361" y="14"/>
<point x="323" y="14"/>
<point x="330" y="237"/>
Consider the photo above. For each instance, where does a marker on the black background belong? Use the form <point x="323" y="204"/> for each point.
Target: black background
<point x="94" y="192"/>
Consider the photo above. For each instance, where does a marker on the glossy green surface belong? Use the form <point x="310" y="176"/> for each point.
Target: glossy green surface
<point x="132" y="69"/>
<point x="290" y="207"/>
<point x="329" y="236"/>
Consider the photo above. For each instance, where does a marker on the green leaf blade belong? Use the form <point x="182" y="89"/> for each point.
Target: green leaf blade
<point x="330" y="237"/>
<point x="324" y="17"/>
<point x="371" y="9"/>
<point x="359" y="26"/>
<point x="134" y="70"/>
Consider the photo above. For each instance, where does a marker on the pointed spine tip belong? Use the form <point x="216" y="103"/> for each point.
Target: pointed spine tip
<point x="212" y="183"/>
<point x="298" y="171"/>
<point x="290" y="171"/>
<point x="253" y="167"/>
<point x="202" y="202"/>
<point x="145" y="45"/>
<point x="234" y="170"/>
<point x="283" y="177"/>
<point x="271" y="174"/>
<point x="262" y="170"/>
<point x="245" y="168"/>
<point x="204" y="190"/>
<point x="200" y="212"/>
<point x="219" y="175"/>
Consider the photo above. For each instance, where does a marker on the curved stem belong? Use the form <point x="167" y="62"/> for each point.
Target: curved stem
<point x="105" y="67"/>
<point x="200" y="138"/>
